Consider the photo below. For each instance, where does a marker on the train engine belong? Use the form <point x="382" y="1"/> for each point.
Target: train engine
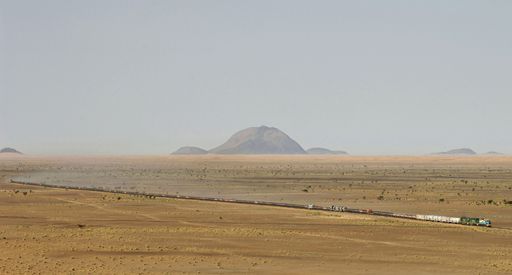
<point x="475" y="221"/>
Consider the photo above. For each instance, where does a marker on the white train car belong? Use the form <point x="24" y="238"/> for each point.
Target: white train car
<point x="454" y="220"/>
<point x="436" y="218"/>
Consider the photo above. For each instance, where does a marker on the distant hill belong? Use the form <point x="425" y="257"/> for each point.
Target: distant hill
<point x="324" y="151"/>
<point x="493" y="153"/>
<point x="190" y="150"/>
<point x="461" y="151"/>
<point x="10" y="150"/>
<point x="259" y="140"/>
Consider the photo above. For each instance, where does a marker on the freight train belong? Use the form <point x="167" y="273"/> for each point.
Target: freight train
<point x="461" y="220"/>
<point x="432" y="218"/>
<point x="333" y="208"/>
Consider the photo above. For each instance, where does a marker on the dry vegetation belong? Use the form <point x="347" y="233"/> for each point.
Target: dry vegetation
<point x="472" y="186"/>
<point x="58" y="231"/>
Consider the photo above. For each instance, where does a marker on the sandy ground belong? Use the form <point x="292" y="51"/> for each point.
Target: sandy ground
<point x="454" y="186"/>
<point x="44" y="230"/>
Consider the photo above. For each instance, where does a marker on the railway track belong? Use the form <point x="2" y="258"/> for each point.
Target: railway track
<point x="333" y="208"/>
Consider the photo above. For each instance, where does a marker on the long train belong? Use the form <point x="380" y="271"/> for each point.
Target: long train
<point x="333" y="208"/>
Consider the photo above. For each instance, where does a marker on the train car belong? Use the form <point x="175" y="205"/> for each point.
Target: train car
<point x="404" y="216"/>
<point x="436" y="218"/>
<point x="475" y="221"/>
<point x="338" y="208"/>
<point x="454" y="220"/>
<point x="485" y="222"/>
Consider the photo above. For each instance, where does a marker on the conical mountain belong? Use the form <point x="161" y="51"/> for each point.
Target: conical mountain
<point x="259" y="140"/>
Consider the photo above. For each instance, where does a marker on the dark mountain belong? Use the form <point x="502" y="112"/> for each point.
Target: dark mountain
<point x="259" y="140"/>
<point x="190" y="150"/>
<point x="324" y="151"/>
<point x="10" y="150"/>
<point x="461" y="151"/>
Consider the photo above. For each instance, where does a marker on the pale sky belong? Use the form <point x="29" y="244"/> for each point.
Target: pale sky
<point x="146" y="77"/>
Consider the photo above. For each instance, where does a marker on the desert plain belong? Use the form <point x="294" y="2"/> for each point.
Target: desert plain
<point x="55" y="230"/>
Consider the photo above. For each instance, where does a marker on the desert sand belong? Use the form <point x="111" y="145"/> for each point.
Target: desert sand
<point x="47" y="230"/>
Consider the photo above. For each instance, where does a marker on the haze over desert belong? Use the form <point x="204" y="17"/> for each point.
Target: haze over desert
<point x="255" y="137"/>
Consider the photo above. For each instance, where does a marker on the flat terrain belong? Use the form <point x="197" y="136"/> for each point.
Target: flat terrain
<point x="45" y="230"/>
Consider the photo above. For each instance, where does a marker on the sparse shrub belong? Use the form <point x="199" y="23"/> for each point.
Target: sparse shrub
<point x="380" y="197"/>
<point x="441" y="200"/>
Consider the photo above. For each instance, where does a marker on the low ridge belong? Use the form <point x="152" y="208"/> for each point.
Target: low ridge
<point x="493" y="153"/>
<point x="460" y="151"/>
<point x="10" y="150"/>
<point x="190" y="150"/>
<point x="324" y="151"/>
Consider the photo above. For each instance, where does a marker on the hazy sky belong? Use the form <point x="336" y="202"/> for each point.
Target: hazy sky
<point x="146" y="77"/>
